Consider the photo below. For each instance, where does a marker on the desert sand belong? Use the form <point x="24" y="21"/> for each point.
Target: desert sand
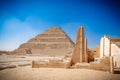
<point x="28" y="73"/>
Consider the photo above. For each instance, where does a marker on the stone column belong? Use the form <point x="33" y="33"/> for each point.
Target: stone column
<point x="82" y="54"/>
<point x="111" y="65"/>
<point x="78" y="53"/>
<point x="85" y="50"/>
<point x="103" y="45"/>
<point x="110" y="49"/>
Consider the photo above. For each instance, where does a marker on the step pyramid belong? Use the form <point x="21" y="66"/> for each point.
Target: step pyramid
<point x="52" y="42"/>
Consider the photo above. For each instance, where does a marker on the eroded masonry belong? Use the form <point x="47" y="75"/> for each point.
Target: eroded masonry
<point x="80" y="49"/>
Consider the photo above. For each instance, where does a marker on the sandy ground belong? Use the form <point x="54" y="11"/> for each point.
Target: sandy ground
<point x="14" y="60"/>
<point x="28" y="73"/>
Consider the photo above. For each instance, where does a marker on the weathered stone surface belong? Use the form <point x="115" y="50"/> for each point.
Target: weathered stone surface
<point x="96" y="51"/>
<point x="103" y="65"/>
<point x="37" y="64"/>
<point x="7" y="67"/>
<point x="82" y="65"/>
<point x="90" y="56"/>
<point x="5" y="52"/>
<point x="52" y="63"/>
<point x="111" y="47"/>
<point x="79" y="53"/>
<point x="52" y="42"/>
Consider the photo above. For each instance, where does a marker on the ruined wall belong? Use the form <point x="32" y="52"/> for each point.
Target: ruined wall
<point x="103" y="65"/>
<point x="52" y="63"/>
<point x="96" y="51"/>
<point x="111" y="47"/>
<point x="90" y="56"/>
<point x="115" y="52"/>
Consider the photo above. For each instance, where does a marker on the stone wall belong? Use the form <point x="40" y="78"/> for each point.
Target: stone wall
<point x="103" y="65"/>
<point x="96" y="51"/>
<point x="82" y="65"/>
<point x="52" y="63"/>
<point x="90" y="56"/>
<point x="115" y="52"/>
<point x="111" y="47"/>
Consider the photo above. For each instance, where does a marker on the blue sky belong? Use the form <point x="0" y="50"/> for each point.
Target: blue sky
<point x="21" y="20"/>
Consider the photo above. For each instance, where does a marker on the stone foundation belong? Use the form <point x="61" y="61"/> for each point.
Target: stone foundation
<point x="82" y="65"/>
<point x="103" y="65"/>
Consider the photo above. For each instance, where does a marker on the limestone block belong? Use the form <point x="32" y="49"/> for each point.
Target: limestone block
<point x="90" y="56"/>
<point x="52" y="63"/>
<point x="55" y="63"/>
<point x="25" y="64"/>
<point x="38" y="64"/>
<point x="82" y="65"/>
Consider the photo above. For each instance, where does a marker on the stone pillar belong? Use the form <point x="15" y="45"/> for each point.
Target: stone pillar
<point x="78" y="53"/>
<point x="103" y="45"/>
<point x="111" y="65"/>
<point x="110" y="49"/>
<point x="85" y="51"/>
<point x="82" y="54"/>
